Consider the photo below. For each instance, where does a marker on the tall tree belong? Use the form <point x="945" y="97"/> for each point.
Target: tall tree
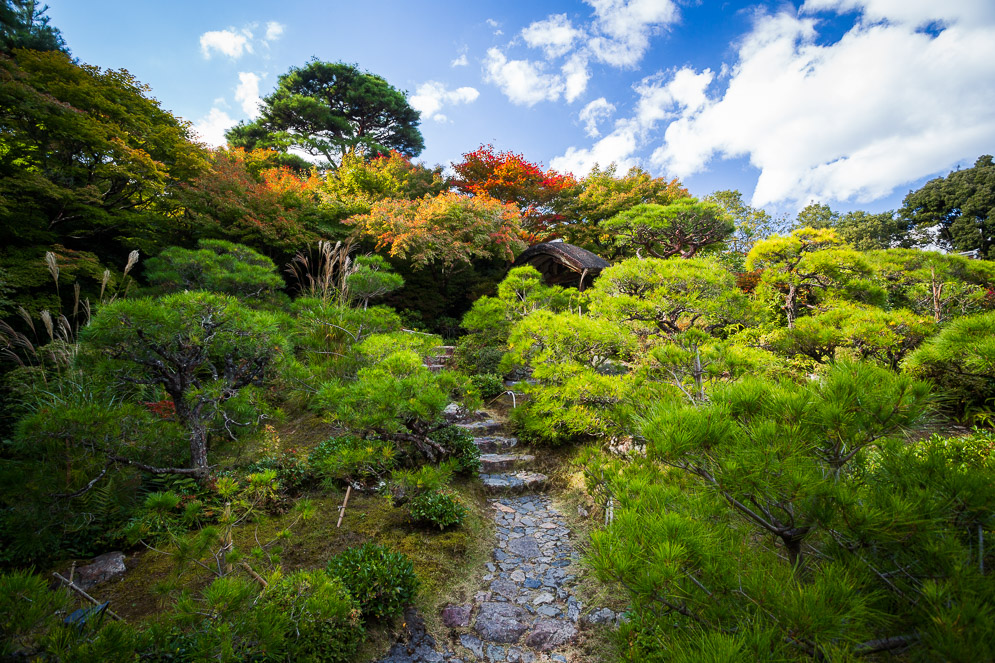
<point x="603" y="194"/>
<point x="23" y="24"/>
<point x="511" y="178"/>
<point x="89" y="163"/>
<point x="753" y="224"/>
<point x="961" y="206"/>
<point x="330" y="110"/>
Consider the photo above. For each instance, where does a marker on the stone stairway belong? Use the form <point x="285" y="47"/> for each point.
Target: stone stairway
<point x="525" y="611"/>
<point x="440" y="358"/>
<point x="502" y="471"/>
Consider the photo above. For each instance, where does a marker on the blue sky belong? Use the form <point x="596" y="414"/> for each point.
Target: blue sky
<point x="848" y="102"/>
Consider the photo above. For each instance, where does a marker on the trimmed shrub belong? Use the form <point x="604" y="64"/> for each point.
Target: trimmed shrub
<point x="325" y="618"/>
<point x="383" y="581"/>
<point x="440" y="508"/>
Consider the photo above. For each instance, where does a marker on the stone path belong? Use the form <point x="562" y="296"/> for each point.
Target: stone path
<point x="525" y="611"/>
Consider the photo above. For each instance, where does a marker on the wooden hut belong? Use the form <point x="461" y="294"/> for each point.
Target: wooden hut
<point x="563" y="264"/>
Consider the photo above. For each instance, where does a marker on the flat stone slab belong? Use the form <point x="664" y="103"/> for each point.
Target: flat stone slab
<point x="551" y="633"/>
<point x="481" y="427"/>
<point x="495" y="443"/>
<point x="501" y="622"/>
<point x="526" y="547"/>
<point x="514" y="482"/>
<point x="492" y="463"/>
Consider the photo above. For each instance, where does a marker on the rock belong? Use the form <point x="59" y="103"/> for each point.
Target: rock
<point x="455" y="616"/>
<point x="101" y="569"/>
<point x="603" y="616"/>
<point x="475" y="646"/>
<point x="516" y="655"/>
<point x="551" y="633"/>
<point x="526" y="547"/>
<point x="501" y="622"/>
<point x="495" y="653"/>
<point x="545" y="597"/>
<point x="455" y="412"/>
<point x="481" y="427"/>
<point x="573" y="609"/>
<point x="581" y="511"/>
<point x="505" y="588"/>
<point x="517" y="575"/>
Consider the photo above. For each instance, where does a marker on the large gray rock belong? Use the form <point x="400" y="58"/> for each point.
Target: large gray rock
<point x="501" y="622"/>
<point x="101" y="569"/>
<point x="526" y="547"/>
<point x="551" y="633"/>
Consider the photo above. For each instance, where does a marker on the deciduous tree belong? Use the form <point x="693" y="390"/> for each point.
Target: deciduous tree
<point x="511" y="178"/>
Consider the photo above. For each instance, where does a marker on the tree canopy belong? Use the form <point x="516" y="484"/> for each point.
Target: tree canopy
<point x="961" y="205"/>
<point x="330" y="110"/>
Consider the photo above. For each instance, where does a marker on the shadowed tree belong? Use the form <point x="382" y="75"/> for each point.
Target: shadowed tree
<point x="682" y="228"/>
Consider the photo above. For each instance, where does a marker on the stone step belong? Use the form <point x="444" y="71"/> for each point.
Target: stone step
<point x="482" y="428"/>
<point x="513" y="482"/>
<point x="493" y="463"/>
<point x="489" y="444"/>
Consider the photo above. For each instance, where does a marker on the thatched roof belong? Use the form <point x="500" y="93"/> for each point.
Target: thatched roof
<point x="563" y="264"/>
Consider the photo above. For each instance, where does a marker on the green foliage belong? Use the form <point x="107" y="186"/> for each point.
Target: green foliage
<point x="960" y="205"/>
<point x="869" y="333"/>
<point x="324" y="617"/>
<point x="90" y="164"/>
<point x="372" y="278"/>
<point x="23" y="24"/>
<point x="439" y="508"/>
<point x="383" y="581"/>
<point x="488" y="385"/>
<point x="330" y="110"/>
<point x="961" y="360"/>
<point x="353" y="459"/>
<point x="205" y="351"/>
<point x="463" y="453"/>
<point x="664" y="297"/>
<point x="682" y="228"/>
<point x="752" y="224"/>
<point x="217" y="266"/>
<point x="604" y="194"/>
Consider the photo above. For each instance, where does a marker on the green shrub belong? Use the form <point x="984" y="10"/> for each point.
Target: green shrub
<point x="437" y="507"/>
<point x="488" y="384"/>
<point x="463" y="453"/>
<point x="352" y="458"/>
<point x="326" y="626"/>
<point x="293" y="470"/>
<point x="383" y="581"/>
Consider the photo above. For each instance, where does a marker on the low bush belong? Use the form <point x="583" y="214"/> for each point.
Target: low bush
<point x="488" y="384"/>
<point x="325" y="617"/>
<point x="463" y="453"/>
<point x="439" y="508"/>
<point x="352" y="459"/>
<point x="383" y="581"/>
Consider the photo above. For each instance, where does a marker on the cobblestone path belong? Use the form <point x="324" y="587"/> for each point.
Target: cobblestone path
<point x="525" y="611"/>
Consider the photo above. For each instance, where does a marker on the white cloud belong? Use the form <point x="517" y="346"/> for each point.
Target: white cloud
<point x="247" y="93"/>
<point x="575" y="76"/>
<point x="623" y="28"/>
<point x="227" y="42"/>
<point x="597" y="111"/>
<point x="846" y="121"/>
<point x="555" y="35"/>
<point x="496" y="26"/>
<point x="617" y="147"/>
<point x="461" y="61"/>
<point x="522" y="81"/>
<point x="274" y="30"/>
<point x="211" y="128"/>
<point x="432" y="96"/>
